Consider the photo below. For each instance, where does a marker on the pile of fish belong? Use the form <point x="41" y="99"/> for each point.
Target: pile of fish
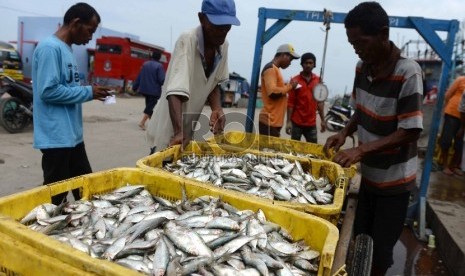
<point x="152" y="235"/>
<point x="291" y="152"/>
<point x="268" y="177"/>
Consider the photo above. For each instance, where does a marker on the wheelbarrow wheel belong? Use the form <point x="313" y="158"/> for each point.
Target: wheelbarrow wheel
<point x="362" y="256"/>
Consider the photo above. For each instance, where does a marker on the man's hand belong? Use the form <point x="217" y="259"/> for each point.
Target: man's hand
<point x="288" y="127"/>
<point x="335" y="141"/>
<point x="179" y="139"/>
<point x="100" y="92"/>
<point x="293" y="83"/>
<point x="217" y="121"/>
<point x="323" y="126"/>
<point x="347" y="157"/>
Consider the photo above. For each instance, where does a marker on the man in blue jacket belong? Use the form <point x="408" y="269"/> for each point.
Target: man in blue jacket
<point x="58" y="98"/>
<point x="148" y="83"/>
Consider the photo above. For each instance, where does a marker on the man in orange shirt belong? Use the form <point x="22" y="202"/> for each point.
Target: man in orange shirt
<point x="274" y="91"/>
<point x="450" y="128"/>
<point x="301" y="106"/>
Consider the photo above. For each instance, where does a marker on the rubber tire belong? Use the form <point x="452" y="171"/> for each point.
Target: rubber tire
<point x="330" y="127"/>
<point x="362" y="256"/>
<point x="13" y="120"/>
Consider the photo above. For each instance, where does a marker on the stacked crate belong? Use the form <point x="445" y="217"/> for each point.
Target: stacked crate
<point x="26" y="252"/>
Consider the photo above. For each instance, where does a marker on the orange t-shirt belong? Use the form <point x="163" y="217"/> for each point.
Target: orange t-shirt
<point x="274" y="96"/>
<point x="453" y="97"/>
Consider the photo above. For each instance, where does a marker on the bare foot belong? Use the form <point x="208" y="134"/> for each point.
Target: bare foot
<point x="447" y="171"/>
<point x="457" y="171"/>
<point x="142" y="126"/>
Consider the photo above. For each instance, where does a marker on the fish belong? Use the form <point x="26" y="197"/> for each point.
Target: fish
<point x="32" y="215"/>
<point x="256" y="263"/>
<point x="188" y="241"/>
<point x="273" y="178"/>
<point x="204" y="235"/>
<point x="161" y="258"/>
<point x="114" y="249"/>
<point x="135" y="265"/>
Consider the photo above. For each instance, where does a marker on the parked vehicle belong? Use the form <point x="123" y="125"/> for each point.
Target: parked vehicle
<point x="120" y="58"/>
<point x="233" y="89"/>
<point x="339" y="114"/>
<point x="15" y="109"/>
<point x="10" y="61"/>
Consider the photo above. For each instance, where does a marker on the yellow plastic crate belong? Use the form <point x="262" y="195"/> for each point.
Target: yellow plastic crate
<point x="282" y="146"/>
<point x="17" y="258"/>
<point x="341" y="271"/>
<point x="316" y="232"/>
<point x="333" y="171"/>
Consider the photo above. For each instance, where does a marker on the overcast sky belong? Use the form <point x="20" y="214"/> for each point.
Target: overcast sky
<point x="161" y="21"/>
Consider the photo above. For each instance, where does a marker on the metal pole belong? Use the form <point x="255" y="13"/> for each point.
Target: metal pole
<point x="447" y="64"/>
<point x="257" y="60"/>
<point x="326" y="21"/>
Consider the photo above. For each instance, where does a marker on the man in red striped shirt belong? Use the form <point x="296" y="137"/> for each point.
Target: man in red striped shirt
<point x="387" y="96"/>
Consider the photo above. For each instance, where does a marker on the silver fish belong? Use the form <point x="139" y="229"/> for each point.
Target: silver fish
<point x="188" y="241"/>
<point x="161" y="258"/>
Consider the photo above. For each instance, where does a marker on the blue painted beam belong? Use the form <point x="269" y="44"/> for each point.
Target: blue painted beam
<point x="318" y="16"/>
<point x="315" y="16"/>
<point x="257" y="60"/>
<point x="274" y="30"/>
<point x="443" y="82"/>
<point x="428" y="34"/>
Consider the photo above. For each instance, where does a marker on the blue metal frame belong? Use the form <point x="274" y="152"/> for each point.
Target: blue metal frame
<point x="427" y="28"/>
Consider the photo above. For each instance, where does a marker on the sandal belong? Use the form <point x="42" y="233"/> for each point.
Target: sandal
<point x="142" y="126"/>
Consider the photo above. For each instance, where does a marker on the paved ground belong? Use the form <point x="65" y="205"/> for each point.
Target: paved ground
<point x="111" y="135"/>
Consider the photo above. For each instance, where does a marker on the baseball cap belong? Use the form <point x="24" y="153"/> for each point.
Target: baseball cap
<point x="288" y="48"/>
<point x="220" y="12"/>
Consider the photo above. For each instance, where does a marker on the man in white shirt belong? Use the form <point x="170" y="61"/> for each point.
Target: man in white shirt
<point x="198" y="64"/>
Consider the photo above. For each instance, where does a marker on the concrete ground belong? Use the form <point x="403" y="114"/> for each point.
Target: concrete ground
<point x="113" y="139"/>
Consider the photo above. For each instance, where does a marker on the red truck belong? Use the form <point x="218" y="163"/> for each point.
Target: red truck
<point x="121" y="58"/>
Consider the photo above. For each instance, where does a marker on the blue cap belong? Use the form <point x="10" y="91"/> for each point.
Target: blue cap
<point x="220" y="12"/>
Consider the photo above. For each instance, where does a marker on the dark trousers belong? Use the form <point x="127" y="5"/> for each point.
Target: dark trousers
<point x="150" y="102"/>
<point x="268" y="130"/>
<point x="382" y="218"/>
<point x="309" y="132"/>
<point x="450" y="128"/>
<point x="63" y="163"/>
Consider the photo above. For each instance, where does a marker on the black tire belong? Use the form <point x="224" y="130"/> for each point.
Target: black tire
<point x="330" y="127"/>
<point x="12" y="118"/>
<point x="362" y="256"/>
